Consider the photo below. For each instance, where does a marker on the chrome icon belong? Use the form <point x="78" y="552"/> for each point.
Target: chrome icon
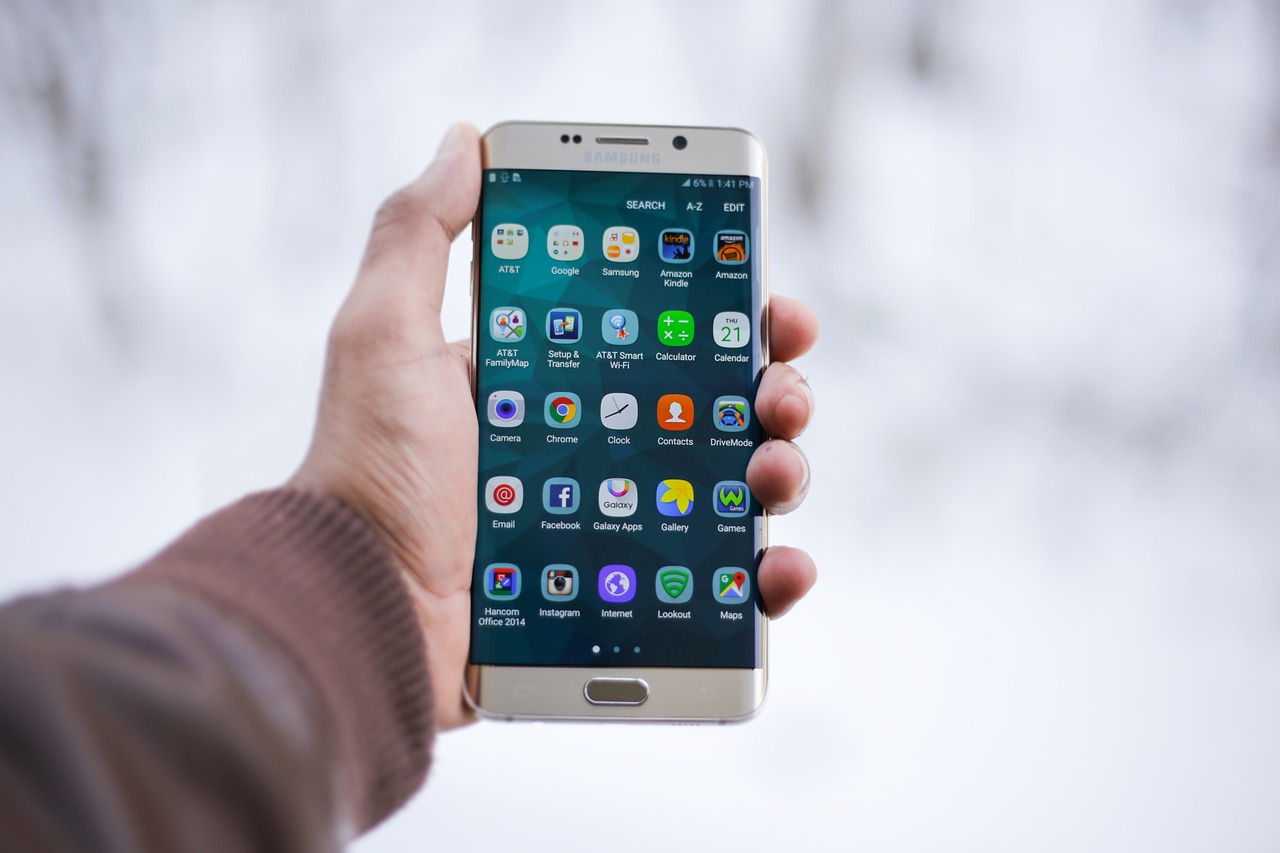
<point x="564" y="410"/>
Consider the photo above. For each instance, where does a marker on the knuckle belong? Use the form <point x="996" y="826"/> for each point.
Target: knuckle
<point x="400" y="207"/>
<point x="363" y="336"/>
<point x="393" y="222"/>
<point x="407" y="224"/>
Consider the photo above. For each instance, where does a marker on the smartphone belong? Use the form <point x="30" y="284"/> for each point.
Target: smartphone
<point x="619" y="338"/>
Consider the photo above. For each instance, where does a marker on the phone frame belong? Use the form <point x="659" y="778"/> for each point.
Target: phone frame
<point x="676" y="694"/>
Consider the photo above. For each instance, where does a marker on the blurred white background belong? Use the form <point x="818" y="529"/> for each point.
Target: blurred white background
<point x="1044" y="239"/>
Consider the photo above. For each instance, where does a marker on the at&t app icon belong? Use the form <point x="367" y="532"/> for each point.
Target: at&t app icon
<point x="619" y="327"/>
<point x="559" y="582"/>
<point x="564" y="242"/>
<point x="621" y="244"/>
<point x="506" y="408"/>
<point x="731" y="414"/>
<point x="617" y="584"/>
<point x="564" y="409"/>
<point x="674" y="584"/>
<point x="731" y="585"/>
<point x="503" y="495"/>
<point x="560" y="496"/>
<point x="564" y="325"/>
<point x="731" y="499"/>
<point x="619" y="497"/>
<point x="502" y="581"/>
<point x="510" y="241"/>
<point x="506" y="325"/>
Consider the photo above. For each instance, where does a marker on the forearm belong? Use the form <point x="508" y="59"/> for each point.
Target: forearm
<point x="259" y="684"/>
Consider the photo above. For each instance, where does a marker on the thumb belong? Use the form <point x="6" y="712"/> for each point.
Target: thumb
<point x="408" y="253"/>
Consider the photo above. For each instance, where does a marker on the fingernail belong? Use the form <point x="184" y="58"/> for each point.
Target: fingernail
<point x="804" y="484"/>
<point x="784" y="508"/>
<point x="805" y="393"/>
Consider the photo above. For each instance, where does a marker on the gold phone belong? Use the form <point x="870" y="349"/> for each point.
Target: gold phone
<point x="618" y="340"/>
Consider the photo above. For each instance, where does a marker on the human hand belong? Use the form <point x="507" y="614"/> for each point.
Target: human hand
<point x="396" y="437"/>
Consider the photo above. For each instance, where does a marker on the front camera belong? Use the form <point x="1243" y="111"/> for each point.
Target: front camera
<point x="680" y="143"/>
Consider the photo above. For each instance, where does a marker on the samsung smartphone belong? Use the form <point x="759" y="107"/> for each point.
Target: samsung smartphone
<point x="619" y="338"/>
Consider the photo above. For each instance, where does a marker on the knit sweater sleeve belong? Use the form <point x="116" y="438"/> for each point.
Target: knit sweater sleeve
<point x="258" y="685"/>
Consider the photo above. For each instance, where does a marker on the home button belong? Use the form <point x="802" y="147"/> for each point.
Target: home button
<point x="616" y="691"/>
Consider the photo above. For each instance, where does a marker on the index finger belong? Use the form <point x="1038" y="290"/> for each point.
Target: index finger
<point x="793" y="328"/>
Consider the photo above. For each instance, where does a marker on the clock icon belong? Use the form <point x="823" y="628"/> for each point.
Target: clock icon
<point x="618" y="411"/>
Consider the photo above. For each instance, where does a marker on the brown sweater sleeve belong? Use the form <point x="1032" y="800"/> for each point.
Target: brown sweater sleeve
<point x="259" y="685"/>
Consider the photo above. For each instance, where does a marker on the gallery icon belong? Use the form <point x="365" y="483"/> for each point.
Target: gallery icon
<point x="675" y="411"/>
<point x="506" y="409"/>
<point x="731" y="329"/>
<point x="559" y="582"/>
<point x="619" y="497"/>
<point x="561" y="495"/>
<point x="674" y="584"/>
<point x="503" y="495"/>
<point x="731" y="499"/>
<point x="564" y="242"/>
<point x="502" y="581"/>
<point x="731" y="413"/>
<point x="617" y="584"/>
<point x="731" y="585"/>
<point x="732" y="247"/>
<point x="564" y="325"/>
<point x="675" y="246"/>
<point x="506" y="325"/>
<point x="619" y="327"/>
<point x="564" y="409"/>
<point x="510" y="241"/>
<point x="675" y="498"/>
<point x="675" y="328"/>
<point x="618" y="411"/>
<point x="621" y="244"/>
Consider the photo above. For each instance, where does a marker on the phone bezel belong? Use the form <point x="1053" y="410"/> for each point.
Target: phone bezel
<point x="677" y="694"/>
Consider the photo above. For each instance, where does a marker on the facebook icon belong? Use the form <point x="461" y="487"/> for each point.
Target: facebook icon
<point x="560" y="496"/>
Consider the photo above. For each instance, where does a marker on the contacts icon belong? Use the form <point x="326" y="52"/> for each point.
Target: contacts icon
<point x="675" y="411"/>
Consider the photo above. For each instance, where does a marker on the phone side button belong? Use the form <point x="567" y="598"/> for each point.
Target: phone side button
<point x="616" y="691"/>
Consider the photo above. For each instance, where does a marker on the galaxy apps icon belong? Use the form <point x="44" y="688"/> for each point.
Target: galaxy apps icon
<point x="618" y="497"/>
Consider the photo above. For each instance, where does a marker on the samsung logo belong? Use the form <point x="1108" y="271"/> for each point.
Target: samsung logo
<point x="624" y="158"/>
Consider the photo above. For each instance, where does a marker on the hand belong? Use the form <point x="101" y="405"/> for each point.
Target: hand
<point x="396" y="436"/>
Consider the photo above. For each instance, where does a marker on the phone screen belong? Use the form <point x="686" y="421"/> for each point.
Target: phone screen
<point x="618" y="351"/>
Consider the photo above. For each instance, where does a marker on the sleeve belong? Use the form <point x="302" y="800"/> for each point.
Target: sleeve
<point x="261" y="684"/>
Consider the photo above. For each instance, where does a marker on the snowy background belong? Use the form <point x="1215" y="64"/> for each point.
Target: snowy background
<point x="1045" y="241"/>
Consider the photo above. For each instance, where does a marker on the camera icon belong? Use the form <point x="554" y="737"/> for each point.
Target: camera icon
<point x="560" y="582"/>
<point x="506" y="408"/>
